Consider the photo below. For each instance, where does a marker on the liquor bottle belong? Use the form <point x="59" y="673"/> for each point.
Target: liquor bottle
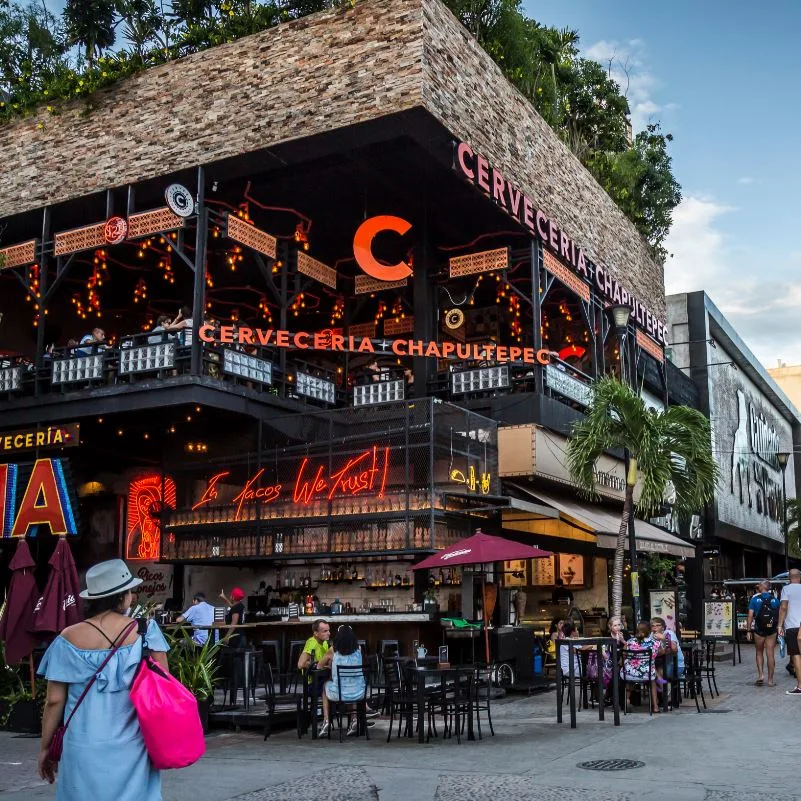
<point x="354" y="573"/>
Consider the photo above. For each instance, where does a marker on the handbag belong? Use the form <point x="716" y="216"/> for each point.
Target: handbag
<point x="56" y="747"/>
<point x="168" y="716"/>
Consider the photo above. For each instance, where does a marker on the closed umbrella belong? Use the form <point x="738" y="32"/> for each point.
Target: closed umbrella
<point x="480" y="549"/>
<point x="59" y="605"/>
<point x="16" y="624"/>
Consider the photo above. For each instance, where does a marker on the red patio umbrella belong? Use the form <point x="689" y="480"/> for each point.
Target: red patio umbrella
<point x="16" y="624"/>
<point x="480" y="549"/>
<point x="59" y="605"/>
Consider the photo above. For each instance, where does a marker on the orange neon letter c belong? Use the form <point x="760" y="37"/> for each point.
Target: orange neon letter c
<point x="363" y="248"/>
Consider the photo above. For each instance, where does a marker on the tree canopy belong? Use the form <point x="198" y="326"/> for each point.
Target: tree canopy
<point x="44" y="58"/>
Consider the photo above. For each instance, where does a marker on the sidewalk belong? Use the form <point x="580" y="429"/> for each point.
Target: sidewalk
<point x="697" y="757"/>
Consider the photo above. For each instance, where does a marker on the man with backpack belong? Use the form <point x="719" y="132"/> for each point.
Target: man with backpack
<point x="763" y="619"/>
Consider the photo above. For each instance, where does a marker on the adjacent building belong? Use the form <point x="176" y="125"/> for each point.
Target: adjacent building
<point x="756" y="430"/>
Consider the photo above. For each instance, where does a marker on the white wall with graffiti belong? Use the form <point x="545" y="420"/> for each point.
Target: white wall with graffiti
<point x="748" y="433"/>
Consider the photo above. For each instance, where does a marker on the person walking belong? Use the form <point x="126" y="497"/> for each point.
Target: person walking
<point x="763" y="620"/>
<point x="104" y="754"/>
<point x="790" y="622"/>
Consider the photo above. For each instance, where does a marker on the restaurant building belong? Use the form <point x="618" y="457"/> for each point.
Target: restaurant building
<point x="394" y="272"/>
<point x="756" y="432"/>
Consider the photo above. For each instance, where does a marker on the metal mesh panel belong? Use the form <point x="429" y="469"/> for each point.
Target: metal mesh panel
<point x="394" y="477"/>
<point x="78" y="368"/>
<point x="147" y="358"/>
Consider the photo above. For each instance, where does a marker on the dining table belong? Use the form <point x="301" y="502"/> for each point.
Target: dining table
<point x="423" y="676"/>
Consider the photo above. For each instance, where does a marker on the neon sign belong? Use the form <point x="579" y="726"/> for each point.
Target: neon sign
<point x="333" y="342"/>
<point x="472" y="481"/>
<point x="45" y="500"/>
<point x="362" y="474"/>
<point x="145" y="501"/>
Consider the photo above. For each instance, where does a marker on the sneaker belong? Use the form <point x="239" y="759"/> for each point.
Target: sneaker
<point x="794" y="691"/>
<point x="370" y="724"/>
<point x="323" y="730"/>
<point x="372" y="713"/>
<point x="353" y="729"/>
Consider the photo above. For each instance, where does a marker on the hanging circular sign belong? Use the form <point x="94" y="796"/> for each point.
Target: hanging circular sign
<point x="454" y="318"/>
<point x="115" y="231"/>
<point x="179" y="200"/>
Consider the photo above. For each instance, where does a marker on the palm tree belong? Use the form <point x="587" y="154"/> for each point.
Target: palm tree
<point x="673" y="446"/>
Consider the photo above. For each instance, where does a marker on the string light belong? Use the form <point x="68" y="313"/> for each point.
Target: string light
<point x="380" y="311"/>
<point x="140" y="291"/>
<point x="338" y="312"/>
<point x="301" y="236"/>
<point x="264" y="308"/>
<point x="298" y="304"/>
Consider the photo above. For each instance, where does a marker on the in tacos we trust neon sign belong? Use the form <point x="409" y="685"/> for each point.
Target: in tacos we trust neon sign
<point x="362" y="474"/>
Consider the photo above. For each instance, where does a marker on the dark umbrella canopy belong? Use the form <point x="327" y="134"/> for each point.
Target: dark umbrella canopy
<point x="16" y="623"/>
<point x="479" y="549"/>
<point x="59" y="605"/>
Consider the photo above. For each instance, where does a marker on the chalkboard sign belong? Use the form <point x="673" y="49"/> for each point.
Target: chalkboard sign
<point x="719" y="620"/>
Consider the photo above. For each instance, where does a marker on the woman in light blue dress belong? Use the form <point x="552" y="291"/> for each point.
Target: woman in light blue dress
<point x="104" y="755"/>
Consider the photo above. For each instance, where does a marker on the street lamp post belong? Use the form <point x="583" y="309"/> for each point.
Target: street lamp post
<point x="620" y="316"/>
<point x="783" y="458"/>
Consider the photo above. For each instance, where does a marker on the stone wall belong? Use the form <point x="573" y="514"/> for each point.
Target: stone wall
<point x="323" y="72"/>
<point x="307" y="77"/>
<point x="467" y="92"/>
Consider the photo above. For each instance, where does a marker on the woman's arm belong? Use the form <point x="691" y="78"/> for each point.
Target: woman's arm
<point x="52" y="718"/>
<point x="161" y="660"/>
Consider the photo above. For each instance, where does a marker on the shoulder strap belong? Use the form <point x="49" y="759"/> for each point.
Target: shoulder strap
<point x="128" y="629"/>
<point x="97" y="628"/>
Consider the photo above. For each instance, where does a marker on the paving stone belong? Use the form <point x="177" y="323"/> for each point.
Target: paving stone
<point x="340" y="783"/>
<point x="520" y="788"/>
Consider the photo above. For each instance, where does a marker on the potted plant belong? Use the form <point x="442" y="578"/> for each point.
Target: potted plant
<point x="430" y="600"/>
<point x="657" y="570"/>
<point x="20" y="711"/>
<point x="196" y="667"/>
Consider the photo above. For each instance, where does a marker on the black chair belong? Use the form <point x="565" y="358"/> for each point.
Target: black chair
<point x="399" y="698"/>
<point x="640" y="662"/>
<point x="482" y="697"/>
<point x="350" y="673"/>
<point x="694" y="675"/>
<point x="269" y="698"/>
<point x="453" y="699"/>
<point x="289" y="679"/>
<point x="579" y="678"/>
<point x="708" y="668"/>
<point x="242" y="668"/>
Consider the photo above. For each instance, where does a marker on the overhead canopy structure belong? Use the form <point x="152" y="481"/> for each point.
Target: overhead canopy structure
<point x="604" y="524"/>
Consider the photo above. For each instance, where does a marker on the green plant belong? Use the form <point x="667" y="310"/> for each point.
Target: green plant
<point x="657" y="570"/>
<point x="664" y="447"/>
<point x="195" y="667"/>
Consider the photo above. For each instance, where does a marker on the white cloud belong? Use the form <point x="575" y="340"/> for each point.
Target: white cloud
<point x="627" y="64"/>
<point x="763" y="312"/>
<point x="745" y="180"/>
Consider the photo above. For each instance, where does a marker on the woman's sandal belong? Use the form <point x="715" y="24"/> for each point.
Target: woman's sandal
<point x="759" y="682"/>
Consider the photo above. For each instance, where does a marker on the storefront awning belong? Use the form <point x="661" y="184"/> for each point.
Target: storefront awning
<point x="605" y="523"/>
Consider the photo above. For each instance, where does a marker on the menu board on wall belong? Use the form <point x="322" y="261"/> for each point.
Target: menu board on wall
<point x="514" y="573"/>
<point x="571" y="569"/>
<point x="543" y="571"/>
<point x="664" y="605"/>
<point x="718" y="619"/>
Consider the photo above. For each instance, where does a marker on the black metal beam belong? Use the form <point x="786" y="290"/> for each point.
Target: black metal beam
<point x="199" y="293"/>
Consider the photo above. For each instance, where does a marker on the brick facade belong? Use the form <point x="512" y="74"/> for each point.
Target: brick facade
<point x="311" y="76"/>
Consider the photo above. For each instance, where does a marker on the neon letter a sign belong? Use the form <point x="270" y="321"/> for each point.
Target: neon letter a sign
<point x="45" y="501"/>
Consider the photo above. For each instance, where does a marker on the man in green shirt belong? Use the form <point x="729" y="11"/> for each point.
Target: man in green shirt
<point x="317" y="648"/>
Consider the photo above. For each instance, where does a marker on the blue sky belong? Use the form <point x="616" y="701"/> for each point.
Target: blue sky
<point x="723" y="78"/>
